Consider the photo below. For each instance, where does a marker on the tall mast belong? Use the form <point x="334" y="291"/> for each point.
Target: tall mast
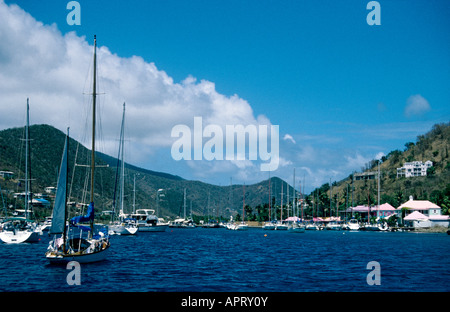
<point x="353" y="178"/>
<point x="122" y="140"/>
<point x="26" y="161"/>
<point x="281" y="217"/>
<point x="65" y="200"/>
<point x="270" y="201"/>
<point x="243" y="204"/>
<point x="287" y="198"/>
<point x="331" y="196"/>
<point x="301" y="198"/>
<point x="293" y="198"/>
<point x="184" y="203"/>
<point x="378" y="199"/>
<point x="134" y="195"/>
<point x="94" y="97"/>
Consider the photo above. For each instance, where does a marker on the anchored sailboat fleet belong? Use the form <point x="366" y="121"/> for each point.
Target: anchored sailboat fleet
<point x="90" y="243"/>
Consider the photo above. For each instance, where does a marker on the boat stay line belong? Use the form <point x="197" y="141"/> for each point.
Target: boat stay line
<point x="96" y="166"/>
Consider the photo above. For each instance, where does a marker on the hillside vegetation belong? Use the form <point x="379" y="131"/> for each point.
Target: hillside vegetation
<point x="435" y="187"/>
<point x="45" y="154"/>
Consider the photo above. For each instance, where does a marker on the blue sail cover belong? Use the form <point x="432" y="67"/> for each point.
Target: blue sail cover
<point x="88" y="217"/>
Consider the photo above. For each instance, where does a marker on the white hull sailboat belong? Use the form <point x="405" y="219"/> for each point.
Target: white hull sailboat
<point x="124" y="225"/>
<point x="333" y="226"/>
<point x="280" y="226"/>
<point x="183" y="223"/>
<point x="18" y="230"/>
<point x="122" y="228"/>
<point x="238" y="226"/>
<point x="312" y="227"/>
<point x="72" y="246"/>
<point x="296" y="228"/>
<point x="269" y="226"/>
<point x="242" y="226"/>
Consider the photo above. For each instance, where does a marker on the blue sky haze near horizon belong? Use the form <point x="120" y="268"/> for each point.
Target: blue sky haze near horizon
<point x="341" y="91"/>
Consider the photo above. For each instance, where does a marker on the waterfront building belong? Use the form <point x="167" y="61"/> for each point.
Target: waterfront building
<point x="422" y="214"/>
<point x="383" y="211"/>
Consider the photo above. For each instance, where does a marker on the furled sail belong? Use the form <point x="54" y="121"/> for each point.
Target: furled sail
<point x="59" y="210"/>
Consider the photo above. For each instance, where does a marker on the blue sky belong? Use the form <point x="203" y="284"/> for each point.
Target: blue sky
<point x="343" y="91"/>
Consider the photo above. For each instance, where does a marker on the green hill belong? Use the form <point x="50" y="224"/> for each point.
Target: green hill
<point x="433" y="146"/>
<point x="45" y="154"/>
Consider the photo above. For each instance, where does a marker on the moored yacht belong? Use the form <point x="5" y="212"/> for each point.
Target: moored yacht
<point x="269" y="226"/>
<point x="297" y="227"/>
<point x="147" y="221"/>
<point x="281" y="226"/>
<point x="238" y="226"/>
<point x="312" y="226"/>
<point x="182" y="223"/>
<point x="353" y="225"/>
<point x="333" y="225"/>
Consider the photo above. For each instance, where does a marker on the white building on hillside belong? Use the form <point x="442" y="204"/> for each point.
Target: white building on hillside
<point x="414" y="169"/>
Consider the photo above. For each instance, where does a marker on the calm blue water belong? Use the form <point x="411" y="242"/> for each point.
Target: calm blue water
<point x="219" y="260"/>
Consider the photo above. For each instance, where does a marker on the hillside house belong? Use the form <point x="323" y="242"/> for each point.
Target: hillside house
<point x="6" y="174"/>
<point x="414" y="169"/>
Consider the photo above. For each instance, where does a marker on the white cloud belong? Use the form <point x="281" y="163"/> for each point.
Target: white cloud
<point x="379" y="155"/>
<point x="54" y="71"/>
<point x="416" y="105"/>
<point x="288" y="137"/>
<point x="357" y="161"/>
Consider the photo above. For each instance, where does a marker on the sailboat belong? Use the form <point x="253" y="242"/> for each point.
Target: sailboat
<point x="269" y="225"/>
<point x="375" y="226"/>
<point x="124" y="225"/>
<point x="295" y="227"/>
<point x="183" y="223"/>
<point x="333" y="225"/>
<point x="17" y="230"/>
<point x="241" y="226"/>
<point x="72" y="245"/>
<point x="281" y="225"/>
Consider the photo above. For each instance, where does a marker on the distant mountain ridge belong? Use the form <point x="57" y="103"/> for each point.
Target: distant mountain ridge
<point x="112" y="162"/>
<point x="46" y="149"/>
